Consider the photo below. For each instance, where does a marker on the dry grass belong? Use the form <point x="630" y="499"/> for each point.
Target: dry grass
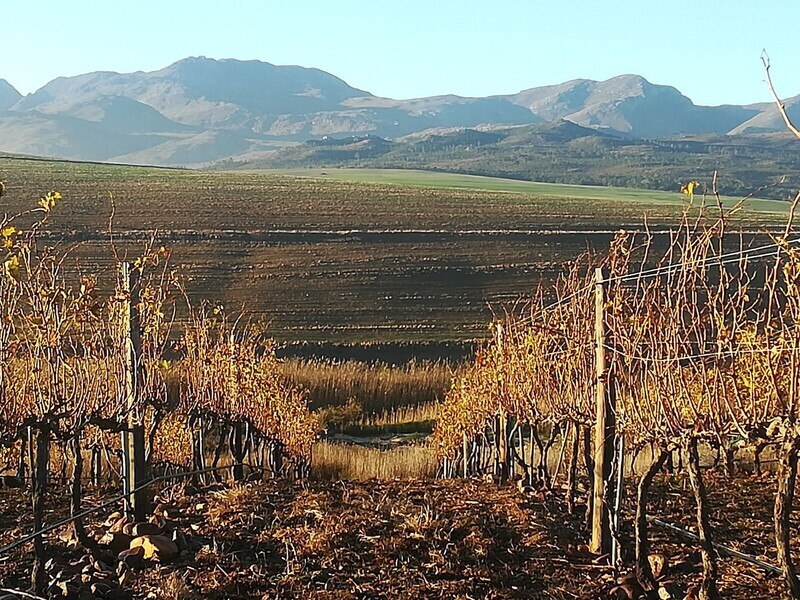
<point x="350" y="418"/>
<point x="375" y="387"/>
<point x="174" y="588"/>
<point x="402" y="415"/>
<point x="340" y="461"/>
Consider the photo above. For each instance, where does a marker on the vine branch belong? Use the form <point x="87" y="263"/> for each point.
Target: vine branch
<point x="778" y="101"/>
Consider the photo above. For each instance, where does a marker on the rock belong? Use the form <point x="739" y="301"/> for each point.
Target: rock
<point x="140" y="529"/>
<point x="104" y="575"/>
<point x="132" y="557"/>
<point x="628" y="588"/>
<point x="68" y="590"/>
<point x="63" y="575"/>
<point x="5" y="596"/>
<point x="85" y="594"/>
<point x="62" y="579"/>
<point x="12" y="481"/>
<point x="101" y="566"/>
<point x="118" y="525"/>
<point x="159" y="521"/>
<point x="125" y="577"/>
<point x="101" y="588"/>
<point x="692" y="593"/>
<point x="157" y="547"/>
<point x="67" y="535"/>
<point x="623" y="592"/>
<point x="116" y="541"/>
<point x="671" y="591"/>
<point x="112" y="518"/>
<point x="180" y="540"/>
<point x="658" y="564"/>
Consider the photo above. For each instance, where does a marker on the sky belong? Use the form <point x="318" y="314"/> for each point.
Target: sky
<point x="708" y="49"/>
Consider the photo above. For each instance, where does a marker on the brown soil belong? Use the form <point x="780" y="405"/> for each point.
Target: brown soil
<point x="442" y="539"/>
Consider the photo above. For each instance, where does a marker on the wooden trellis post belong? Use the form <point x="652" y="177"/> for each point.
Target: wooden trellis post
<point x="605" y="427"/>
<point x="465" y="454"/>
<point x="133" y="446"/>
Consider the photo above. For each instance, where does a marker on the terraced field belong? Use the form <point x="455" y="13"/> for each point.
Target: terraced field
<point x="350" y="255"/>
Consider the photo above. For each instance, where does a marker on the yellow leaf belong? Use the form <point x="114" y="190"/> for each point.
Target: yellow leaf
<point x="49" y="200"/>
<point x="13" y="268"/>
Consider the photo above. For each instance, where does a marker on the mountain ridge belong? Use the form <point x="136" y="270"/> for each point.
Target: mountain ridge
<point x="198" y="111"/>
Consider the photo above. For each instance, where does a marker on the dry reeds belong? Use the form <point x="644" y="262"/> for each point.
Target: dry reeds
<point x="375" y="387"/>
<point x="348" y="462"/>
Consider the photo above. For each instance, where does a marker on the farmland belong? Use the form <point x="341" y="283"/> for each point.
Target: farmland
<point x="349" y="256"/>
<point x="220" y="429"/>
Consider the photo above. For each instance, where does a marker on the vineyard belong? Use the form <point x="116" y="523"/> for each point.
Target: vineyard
<point x="152" y="444"/>
<point x="114" y="379"/>
<point x="654" y="355"/>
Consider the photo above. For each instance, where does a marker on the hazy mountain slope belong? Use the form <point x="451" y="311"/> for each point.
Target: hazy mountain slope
<point x="116" y="113"/>
<point x="67" y="137"/>
<point x="769" y="119"/>
<point x="8" y="95"/>
<point x="200" y="148"/>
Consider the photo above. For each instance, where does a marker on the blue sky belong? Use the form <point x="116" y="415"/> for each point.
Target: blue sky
<point x="708" y="49"/>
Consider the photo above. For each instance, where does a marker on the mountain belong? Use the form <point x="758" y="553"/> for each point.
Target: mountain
<point x="199" y="111"/>
<point x="767" y="118"/>
<point x="8" y="95"/>
<point x="631" y="105"/>
<point x="203" y="92"/>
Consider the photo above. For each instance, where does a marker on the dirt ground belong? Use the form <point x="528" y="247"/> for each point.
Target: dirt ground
<point x="432" y="539"/>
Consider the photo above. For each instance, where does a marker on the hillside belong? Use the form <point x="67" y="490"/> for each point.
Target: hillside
<point x="564" y="152"/>
<point x="199" y="111"/>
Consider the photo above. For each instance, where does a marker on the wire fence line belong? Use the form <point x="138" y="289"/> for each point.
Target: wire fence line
<point x="723" y="354"/>
<point x="757" y="252"/>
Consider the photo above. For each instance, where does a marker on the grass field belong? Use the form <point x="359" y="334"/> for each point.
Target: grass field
<point x="353" y="255"/>
<point x="435" y="179"/>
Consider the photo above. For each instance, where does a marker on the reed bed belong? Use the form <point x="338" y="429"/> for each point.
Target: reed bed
<point x="376" y="387"/>
<point x="351" y="462"/>
<point x="418" y="415"/>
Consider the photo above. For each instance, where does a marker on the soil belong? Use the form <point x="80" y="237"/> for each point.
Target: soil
<point x="418" y="539"/>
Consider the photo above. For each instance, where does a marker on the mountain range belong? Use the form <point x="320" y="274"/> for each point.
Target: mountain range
<point x="200" y="111"/>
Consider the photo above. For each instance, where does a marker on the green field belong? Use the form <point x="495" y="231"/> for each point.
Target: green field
<point x="436" y="179"/>
<point x="353" y="255"/>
